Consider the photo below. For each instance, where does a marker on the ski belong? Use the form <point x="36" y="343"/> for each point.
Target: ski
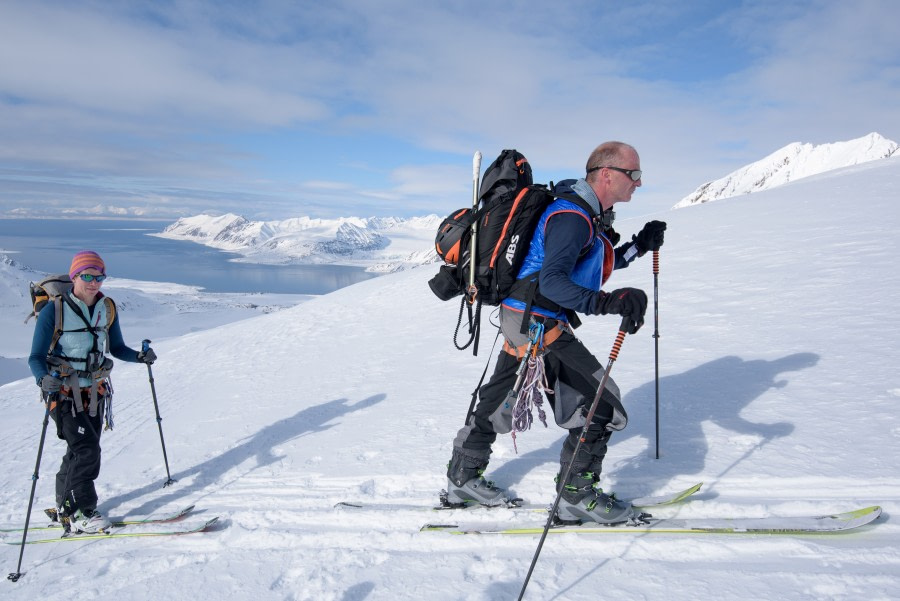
<point x="824" y="524"/>
<point x="120" y="534"/>
<point x="51" y="513"/>
<point x="515" y="504"/>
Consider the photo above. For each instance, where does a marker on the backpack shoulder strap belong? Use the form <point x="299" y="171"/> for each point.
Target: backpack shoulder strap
<point x="574" y="198"/>
<point x="76" y="309"/>
<point x="110" y="311"/>
<point x="57" y="323"/>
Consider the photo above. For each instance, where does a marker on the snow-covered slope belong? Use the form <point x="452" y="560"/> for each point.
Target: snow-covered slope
<point x="379" y="244"/>
<point x="794" y="161"/>
<point x="778" y="389"/>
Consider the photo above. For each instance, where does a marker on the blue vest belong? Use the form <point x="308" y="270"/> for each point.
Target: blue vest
<point x="591" y="270"/>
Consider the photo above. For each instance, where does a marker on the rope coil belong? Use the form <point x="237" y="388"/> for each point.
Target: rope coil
<point x="533" y="384"/>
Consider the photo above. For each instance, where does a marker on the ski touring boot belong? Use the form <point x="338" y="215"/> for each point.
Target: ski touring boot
<point x="582" y="501"/>
<point x="476" y="490"/>
<point x="88" y="521"/>
<point x="466" y="484"/>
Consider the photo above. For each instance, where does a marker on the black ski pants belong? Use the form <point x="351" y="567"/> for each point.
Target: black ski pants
<point x="80" y="465"/>
<point x="571" y="370"/>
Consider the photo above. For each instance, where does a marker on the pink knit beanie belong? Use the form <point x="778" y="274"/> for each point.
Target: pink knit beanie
<point x="85" y="260"/>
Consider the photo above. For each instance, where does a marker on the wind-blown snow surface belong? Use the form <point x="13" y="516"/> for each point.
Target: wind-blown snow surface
<point x="794" y="161"/>
<point x="779" y="390"/>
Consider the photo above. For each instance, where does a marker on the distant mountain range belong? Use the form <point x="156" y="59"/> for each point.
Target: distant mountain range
<point x="392" y="244"/>
<point x="379" y="244"/>
<point x="793" y="162"/>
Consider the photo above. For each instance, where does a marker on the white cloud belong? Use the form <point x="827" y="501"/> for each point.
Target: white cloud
<point x="202" y="103"/>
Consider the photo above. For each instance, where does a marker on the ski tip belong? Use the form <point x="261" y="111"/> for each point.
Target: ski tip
<point x="432" y="527"/>
<point x="183" y="513"/>
<point x="873" y="513"/>
<point x="687" y="492"/>
<point x="340" y="504"/>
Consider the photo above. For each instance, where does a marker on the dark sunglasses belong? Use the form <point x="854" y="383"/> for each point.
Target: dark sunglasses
<point x="88" y="277"/>
<point x="634" y="174"/>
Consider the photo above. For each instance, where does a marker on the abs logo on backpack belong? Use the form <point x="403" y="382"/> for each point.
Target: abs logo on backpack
<point x="511" y="249"/>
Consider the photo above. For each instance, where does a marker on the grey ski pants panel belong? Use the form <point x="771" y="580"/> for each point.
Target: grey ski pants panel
<point x="574" y="373"/>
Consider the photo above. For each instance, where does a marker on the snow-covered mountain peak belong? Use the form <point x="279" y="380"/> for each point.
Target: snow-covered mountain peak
<point x="794" y="161"/>
<point x="379" y="243"/>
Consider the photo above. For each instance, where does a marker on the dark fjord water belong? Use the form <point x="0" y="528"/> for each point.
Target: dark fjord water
<point x="129" y="252"/>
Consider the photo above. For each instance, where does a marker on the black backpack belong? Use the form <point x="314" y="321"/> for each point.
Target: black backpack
<point x="509" y="207"/>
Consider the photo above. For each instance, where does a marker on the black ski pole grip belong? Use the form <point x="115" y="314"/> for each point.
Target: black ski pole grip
<point x="145" y="344"/>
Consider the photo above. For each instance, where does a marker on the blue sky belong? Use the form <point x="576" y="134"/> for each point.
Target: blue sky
<point x="351" y="108"/>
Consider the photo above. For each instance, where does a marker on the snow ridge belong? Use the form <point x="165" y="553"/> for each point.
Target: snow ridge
<point x="794" y="161"/>
<point x="382" y="244"/>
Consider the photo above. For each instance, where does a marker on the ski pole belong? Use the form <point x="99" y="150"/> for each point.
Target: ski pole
<point x="34" y="478"/>
<point x="613" y="355"/>
<point x="656" y="337"/>
<point x="145" y="345"/>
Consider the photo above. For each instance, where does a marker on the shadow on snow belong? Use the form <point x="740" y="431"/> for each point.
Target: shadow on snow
<point x="312" y="420"/>
<point x="716" y="392"/>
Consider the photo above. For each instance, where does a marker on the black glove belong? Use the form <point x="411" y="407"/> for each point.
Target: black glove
<point x="49" y="384"/>
<point x="147" y="356"/>
<point x="627" y="302"/>
<point x="651" y="237"/>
